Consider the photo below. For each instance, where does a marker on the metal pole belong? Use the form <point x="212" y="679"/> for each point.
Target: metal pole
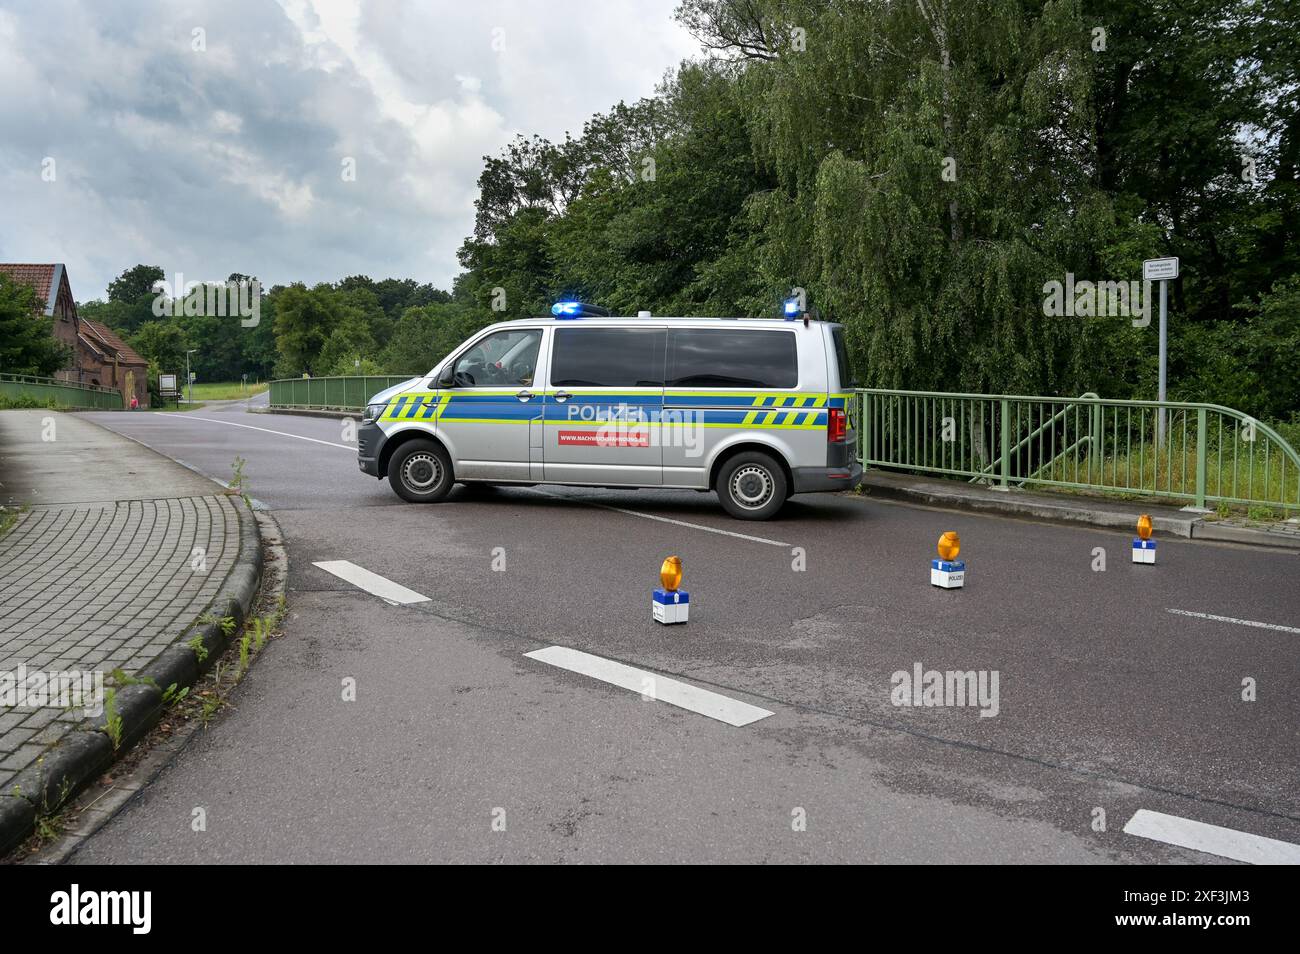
<point x="1164" y="341"/>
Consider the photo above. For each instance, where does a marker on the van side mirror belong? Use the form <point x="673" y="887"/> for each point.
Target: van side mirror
<point x="447" y="376"/>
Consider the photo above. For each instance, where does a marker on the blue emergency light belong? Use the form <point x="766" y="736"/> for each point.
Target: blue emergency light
<point x="577" y="309"/>
<point x="792" y="309"/>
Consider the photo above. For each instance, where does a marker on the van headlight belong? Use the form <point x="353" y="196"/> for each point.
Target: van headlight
<point x="373" y="412"/>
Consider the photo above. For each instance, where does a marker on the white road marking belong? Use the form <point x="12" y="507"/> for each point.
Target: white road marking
<point x="267" y="430"/>
<point x="1224" y="842"/>
<point x="1233" y="619"/>
<point x="680" y="694"/>
<point x="679" y="523"/>
<point x="385" y="589"/>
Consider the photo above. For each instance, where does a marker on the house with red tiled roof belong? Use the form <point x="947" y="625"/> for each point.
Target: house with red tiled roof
<point x="99" y="357"/>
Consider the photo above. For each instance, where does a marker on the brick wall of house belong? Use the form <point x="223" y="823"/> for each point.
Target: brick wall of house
<point x="65" y="329"/>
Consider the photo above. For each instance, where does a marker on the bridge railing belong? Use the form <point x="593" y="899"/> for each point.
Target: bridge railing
<point x="345" y="393"/>
<point x="59" y="393"/>
<point x="1205" y="452"/>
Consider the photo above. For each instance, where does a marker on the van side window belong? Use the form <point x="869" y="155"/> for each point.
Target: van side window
<point x="504" y="359"/>
<point x="608" y="358"/>
<point x="731" y="358"/>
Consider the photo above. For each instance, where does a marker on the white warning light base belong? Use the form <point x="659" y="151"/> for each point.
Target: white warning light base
<point x="948" y="574"/>
<point x="1144" y="551"/>
<point x="670" y="606"/>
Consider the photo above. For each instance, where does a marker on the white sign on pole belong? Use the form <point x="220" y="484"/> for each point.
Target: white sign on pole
<point x="1159" y="269"/>
<point x="166" y="382"/>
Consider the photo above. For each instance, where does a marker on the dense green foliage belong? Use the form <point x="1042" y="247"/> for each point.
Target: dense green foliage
<point x="27" y="342"/>
<point x="922" y="168"/>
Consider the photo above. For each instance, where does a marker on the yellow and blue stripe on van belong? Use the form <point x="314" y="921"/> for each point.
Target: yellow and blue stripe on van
<point x="735" y="409"/>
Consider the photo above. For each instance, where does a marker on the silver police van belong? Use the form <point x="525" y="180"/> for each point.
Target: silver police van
<point x="755" y="409"/>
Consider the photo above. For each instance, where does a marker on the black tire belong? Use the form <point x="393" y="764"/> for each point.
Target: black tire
<point x="752" y="486"/>
<point x="420" y="472"/>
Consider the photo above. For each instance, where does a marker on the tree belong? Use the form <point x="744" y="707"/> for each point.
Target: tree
<point x="304" y="320"/>
<point x="163" y="343"/>
<point x="135" y="283"/>
<point x="130" y="300"/>
<point x="27" y="342"/>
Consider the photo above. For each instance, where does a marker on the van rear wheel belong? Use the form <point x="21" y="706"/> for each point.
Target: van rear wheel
<point x="420" y="472"/>
<point x="752" y="486"/>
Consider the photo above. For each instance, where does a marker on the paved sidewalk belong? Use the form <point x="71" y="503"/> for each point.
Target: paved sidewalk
<point x="120" y="551"/>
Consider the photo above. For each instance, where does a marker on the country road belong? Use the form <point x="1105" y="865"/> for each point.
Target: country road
<point x="1116" y="690"/>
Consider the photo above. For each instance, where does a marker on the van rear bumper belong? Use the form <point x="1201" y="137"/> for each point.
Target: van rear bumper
<point x="812" y="479"/>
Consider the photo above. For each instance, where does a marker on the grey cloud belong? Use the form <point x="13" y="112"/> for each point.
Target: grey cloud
<point x="229" y="159"/>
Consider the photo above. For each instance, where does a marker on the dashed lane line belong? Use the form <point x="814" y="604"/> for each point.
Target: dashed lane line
<point x="1233" y="619"/>
<point x="1212" y="839"/>
<point x="385" y="589"/>
<point x="652" y="686"/>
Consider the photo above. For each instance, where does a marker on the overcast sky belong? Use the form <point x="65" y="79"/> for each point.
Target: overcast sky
<point x="230" y="157"/>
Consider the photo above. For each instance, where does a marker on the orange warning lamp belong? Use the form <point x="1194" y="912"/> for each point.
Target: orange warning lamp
<point x="949" y="546"/>
<point x="670" y="574"/>
<point x="1144" y="526"/>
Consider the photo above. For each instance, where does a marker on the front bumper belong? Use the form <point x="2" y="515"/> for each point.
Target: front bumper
<point x="813" y="479"/>
<point x="370" y="441"/>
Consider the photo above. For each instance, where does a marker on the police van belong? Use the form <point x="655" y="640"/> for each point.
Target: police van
<point x="755" y="409"/>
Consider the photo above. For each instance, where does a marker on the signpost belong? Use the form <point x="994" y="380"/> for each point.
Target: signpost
<point x="1162" y="270"/>
<point x="167" y="387"/>
<point x="189" y="375"/>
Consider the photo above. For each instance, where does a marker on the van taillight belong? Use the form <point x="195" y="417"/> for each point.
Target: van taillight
<point x="837" y="429"/>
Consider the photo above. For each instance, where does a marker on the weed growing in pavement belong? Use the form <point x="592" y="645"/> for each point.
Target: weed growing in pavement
<point x="121" y="678"/>
<point x="227" y="623"/>
<point x="112" y="721"/>
<point x="171" y="695"/>
<point x="213" y="699"/>
<point x="200" y="651"/>
<point x="237" y="481"/>
<point x="48" y="828"/>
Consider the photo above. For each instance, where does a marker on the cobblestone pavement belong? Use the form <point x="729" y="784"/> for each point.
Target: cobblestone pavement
<point x="96" y="585"/>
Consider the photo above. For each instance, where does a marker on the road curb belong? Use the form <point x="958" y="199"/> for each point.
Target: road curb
<point x="1227" y="533"/>
<point x="42" y="789"/>
<point x="93" y="808"/>
<point x="1017" y="505"/>
<point x="1068" y="511"/>
<point x="304" y="412"/>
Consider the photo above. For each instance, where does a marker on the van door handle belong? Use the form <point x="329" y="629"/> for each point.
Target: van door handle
<point x="525" y="395"/>
<point x="562" y="396"/>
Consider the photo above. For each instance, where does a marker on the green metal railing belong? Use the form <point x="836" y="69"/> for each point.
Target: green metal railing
<point x="61" y="393"/>
<point x="336" y="394"/>
<point x="1205" y="452"/>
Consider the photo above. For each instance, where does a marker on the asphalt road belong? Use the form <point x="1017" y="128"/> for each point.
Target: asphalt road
<point x="1106" y="699"/>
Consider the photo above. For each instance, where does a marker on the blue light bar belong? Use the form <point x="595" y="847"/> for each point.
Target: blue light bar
<point x="566" y="309"/>
<point x="792" y="309"/>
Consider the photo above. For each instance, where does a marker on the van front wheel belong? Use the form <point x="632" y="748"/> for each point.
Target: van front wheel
<point x="752" y="486"/>
<point x="420" y="472"/>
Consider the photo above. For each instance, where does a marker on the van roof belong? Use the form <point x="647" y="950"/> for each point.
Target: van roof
<point x="689" y="321"/>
